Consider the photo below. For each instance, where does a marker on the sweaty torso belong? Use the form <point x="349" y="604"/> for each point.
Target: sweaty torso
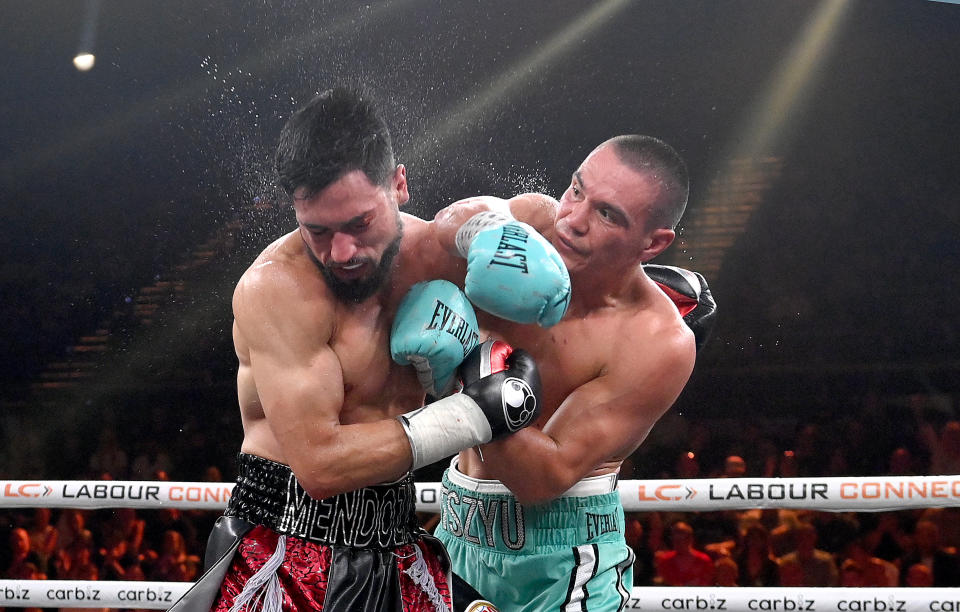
<point x="374" y="387"/>
<point x="573" y="353"/>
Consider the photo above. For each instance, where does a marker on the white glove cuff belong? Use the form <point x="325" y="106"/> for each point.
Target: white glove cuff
<point x="444" y="428"/>
<point x="476" y="224"/>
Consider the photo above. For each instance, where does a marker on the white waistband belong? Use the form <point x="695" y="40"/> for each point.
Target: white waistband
<point x="591" y="485"/>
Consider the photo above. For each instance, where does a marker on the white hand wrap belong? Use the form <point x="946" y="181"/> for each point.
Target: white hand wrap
<point x="445" y="427"/>
<point x="476" y="224"/>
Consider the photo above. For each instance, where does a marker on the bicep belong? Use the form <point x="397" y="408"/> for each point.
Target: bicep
<point x="612" y="414"/>
<point x="602" y="419"/>
<point x="300" y="389"/>
<point x="297" y="375"/>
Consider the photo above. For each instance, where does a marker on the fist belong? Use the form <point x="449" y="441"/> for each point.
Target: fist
<point x="516" y="274"/>
<point x="434" y="329"/>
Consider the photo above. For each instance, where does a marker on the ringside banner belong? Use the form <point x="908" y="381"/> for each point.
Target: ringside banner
<point x="161" y="595"/>
<point x="834" y="494"/>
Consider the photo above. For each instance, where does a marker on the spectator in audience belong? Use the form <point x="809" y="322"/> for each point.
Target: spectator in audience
<point x="734" y="467"/>
<point x="114" y="549"/>
<point x="635" y="535"/>
<point x="900" y="462"/>
<point x="73" y="528"/>
<point x="683" y="565"/>
<point x="927" y="550"/>
<point x="835" y="530"/>
<point x="816" y="566"/>
<point x="173" y="564"/>
<point x="918" y="575"/>
<point x="944" y="449"/>
<point x="725" y="572"/>
<point x="167" y="519"/>
<point x="23" y="562"/>
<point x="79" y="565"/>
<point x="851" y="574"/>
<point x="757" y="565"/>
<point x="124" y="525"/>
<point x="871" y="571"/>
<point x="44" y="538"/>
<point x="886" y="537"/>
<point x="783" y="535"/>
<point x="77" y="561"/>
<point x="789" y="468"/>
<point x="791" y="572"/>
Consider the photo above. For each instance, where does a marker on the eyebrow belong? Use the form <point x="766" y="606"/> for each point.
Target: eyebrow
<point x="315" y="227"/>
<point x="616" y="209"/>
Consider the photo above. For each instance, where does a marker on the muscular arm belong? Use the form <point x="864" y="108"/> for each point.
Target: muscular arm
<point x="534" y="208"/>
<point x="286" y="334"/>
<point x="606" y="417"/>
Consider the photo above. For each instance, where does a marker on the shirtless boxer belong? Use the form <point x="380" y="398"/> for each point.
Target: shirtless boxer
<point x="534" y="521"/>
<point x="322" y="515"/>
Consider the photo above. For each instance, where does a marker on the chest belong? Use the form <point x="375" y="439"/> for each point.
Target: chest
<point x="374" y="386"/>
<point x="568" y="354"/>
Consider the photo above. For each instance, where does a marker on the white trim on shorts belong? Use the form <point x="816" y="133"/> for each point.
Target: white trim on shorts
<point x="591" y="485"/>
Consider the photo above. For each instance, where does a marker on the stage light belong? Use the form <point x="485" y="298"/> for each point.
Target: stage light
<point x="84" y="61"/>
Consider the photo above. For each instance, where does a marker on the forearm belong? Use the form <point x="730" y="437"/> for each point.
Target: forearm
<point x="448" y="221"/>
<point x="351" y="457"/>
<point x="533" y="465"/>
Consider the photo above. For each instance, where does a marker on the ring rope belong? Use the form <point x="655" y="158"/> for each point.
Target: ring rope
<point x="878" y="493"/>
<point x="161" y="595"/>
<point x="831" y="494"/>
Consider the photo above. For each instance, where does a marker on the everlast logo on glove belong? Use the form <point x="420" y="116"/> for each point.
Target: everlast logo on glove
<point x="511" y="251"/>
<point x="446" y="319"/>
<point x="519" y="403"/>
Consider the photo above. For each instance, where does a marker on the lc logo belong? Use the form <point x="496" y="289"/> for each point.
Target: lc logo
<point x="667" y="492"/>
<point x="27" y="489"/>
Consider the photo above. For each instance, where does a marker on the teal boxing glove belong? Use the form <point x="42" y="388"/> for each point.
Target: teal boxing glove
<point x="512" y="271"/>
<point x="434" y="329"/>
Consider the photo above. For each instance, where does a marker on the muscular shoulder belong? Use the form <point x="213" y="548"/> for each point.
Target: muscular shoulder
<point x="537" y="209"/>
<point x="653" y="339"/>
<point x="282" y="293"/>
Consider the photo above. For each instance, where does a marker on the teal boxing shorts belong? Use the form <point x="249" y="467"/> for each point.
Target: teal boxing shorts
<point x="567" y="554"/>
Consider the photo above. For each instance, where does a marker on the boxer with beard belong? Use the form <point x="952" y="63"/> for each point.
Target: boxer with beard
<point x="322" y="514"/>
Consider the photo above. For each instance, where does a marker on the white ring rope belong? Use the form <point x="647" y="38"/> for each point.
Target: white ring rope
<point x="836" y="494"/>
<point x="833" y="494"/>
<point x="161" y="595"/>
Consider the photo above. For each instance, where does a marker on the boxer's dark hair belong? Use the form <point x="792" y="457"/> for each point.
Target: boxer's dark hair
<point x="338" y="131"/>
<point x="656" y="158"/>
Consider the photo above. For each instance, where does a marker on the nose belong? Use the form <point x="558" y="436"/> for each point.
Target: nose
<point x="575" y="216"/>
<point x="342" y="248"/>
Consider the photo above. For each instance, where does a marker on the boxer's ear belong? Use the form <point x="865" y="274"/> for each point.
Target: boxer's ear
<point x="398" y="185"/>
<point x="657" y="242"/>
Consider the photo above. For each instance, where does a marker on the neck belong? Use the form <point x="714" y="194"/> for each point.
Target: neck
<point x="592" y="290"/>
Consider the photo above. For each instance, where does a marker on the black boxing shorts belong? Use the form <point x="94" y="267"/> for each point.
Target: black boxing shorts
<point x="277" y="548"/>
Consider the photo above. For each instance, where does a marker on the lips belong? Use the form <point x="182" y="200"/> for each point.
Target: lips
<point x="568" y="245"/>
<point x="348" y="272"/>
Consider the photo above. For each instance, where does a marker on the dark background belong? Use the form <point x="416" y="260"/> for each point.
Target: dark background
<point x="147" y="181"/>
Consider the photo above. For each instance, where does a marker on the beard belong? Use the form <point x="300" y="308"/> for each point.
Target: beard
<point x="360" y="289"/>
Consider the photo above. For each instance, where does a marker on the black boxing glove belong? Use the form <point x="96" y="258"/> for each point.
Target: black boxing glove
<point x="492" y="404"/>
<point x="690" y="293"/>
<point x="484" y="360"/>
<point x="495" y="363"/>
